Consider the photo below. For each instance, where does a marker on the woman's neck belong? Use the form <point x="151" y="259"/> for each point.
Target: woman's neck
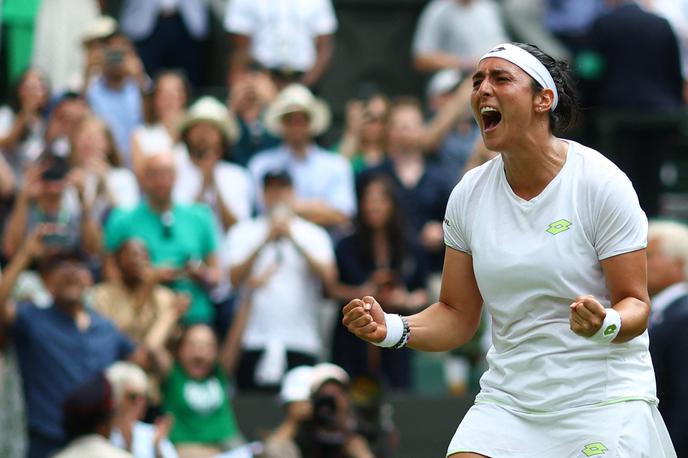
<point x="531" y="166"/>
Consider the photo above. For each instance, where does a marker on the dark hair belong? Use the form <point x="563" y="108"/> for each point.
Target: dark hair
<point x="15" y="102"/>
<point x="567" y="113"/>
<point x="394" y="229"/>
<point x="88" y="407"/>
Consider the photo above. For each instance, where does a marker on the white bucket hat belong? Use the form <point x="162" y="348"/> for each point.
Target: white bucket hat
<point x="209" y="109"/>
<point x="293" y="99"/>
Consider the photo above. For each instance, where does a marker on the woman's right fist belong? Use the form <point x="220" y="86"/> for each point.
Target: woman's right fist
<point x="365" y="319"/>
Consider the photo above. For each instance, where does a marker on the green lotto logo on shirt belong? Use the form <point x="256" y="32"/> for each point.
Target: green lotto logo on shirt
<point x="559" y="226"/>
<point x="594" y="449"/>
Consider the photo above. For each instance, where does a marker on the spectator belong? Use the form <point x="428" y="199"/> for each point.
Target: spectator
<point x="168" y="34"/>
<point x="181" y="239"/>
<point x="450" y="149"/>
<point x="330" y="429"/>
<point x="667" y="273"/>
<point x="294" y="395"/>
<point x="526" y="19"/>
<point x="143" y="440"/>
<point x="135" y="301"/>
<point x="638" y="93"/>
<point x="455" y="33"/>
<point x="570" y="20"/>
<point x="22" y="123"/>
<point x="68" y="109"/>
<point x="285" y="260"/>
<point x="250" y="95"/>
<point x="323" y="182"/>
<point x="363" y="142"/>
<point x="88" y="414"/>
<point x="42" y="200"/>
<point x="379" y="260"/>
<point x="115" y="95"/>
<point x="107" y="183"/>
<point x="166" y="110"/>
<point x="58" y="347"/>
<point x="60" y="25"/>
<point x="209" y="131"/>
<point x="196" y="395"/>
<point x="422" y="188"/>
<point x="93" y="41"/>
<point x="293" y="40"/>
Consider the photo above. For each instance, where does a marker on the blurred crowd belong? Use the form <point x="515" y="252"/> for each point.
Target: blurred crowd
<point x="165" y="251"/>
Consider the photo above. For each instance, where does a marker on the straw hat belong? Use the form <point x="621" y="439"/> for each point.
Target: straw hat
<point x="209" y="109"/>
<point x="293" y="99"/>
<point x="101" y="27"/>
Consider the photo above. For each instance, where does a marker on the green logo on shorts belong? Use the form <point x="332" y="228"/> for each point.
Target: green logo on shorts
<point x="596" y="448"/>
<point x="559" y="226"/>
<point x="610" y="330"/>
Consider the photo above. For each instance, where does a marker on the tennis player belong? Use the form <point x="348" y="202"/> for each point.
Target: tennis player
<point x="550" y="237"/>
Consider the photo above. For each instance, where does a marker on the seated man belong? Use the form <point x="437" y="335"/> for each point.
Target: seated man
<point x="181" y="239"/>
<point x="57" y="347"/>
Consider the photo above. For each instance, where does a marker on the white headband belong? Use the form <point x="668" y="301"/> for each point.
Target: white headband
<point x="528" y="63"/>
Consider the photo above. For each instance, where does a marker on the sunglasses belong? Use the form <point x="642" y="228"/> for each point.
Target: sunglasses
<point x="134" y="396"/>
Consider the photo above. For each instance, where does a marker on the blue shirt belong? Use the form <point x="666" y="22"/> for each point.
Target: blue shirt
<point x="121" y="109"/>
<point x="318" y="175"/>
<point x="55" y="357"/>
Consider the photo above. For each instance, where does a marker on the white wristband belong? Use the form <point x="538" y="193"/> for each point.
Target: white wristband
<point x="395" y="329"/>
<point x="610" y="328"/>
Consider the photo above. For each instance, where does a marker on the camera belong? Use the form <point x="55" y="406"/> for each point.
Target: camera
<point x="58" y="168"/>
<point x="325" y="411"/>
<point x="114" y="57"/>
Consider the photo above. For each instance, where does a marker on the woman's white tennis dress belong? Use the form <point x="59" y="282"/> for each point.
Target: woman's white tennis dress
<point x="549" y="392"/>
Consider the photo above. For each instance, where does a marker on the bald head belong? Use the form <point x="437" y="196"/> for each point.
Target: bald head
<point x="158" y="178"/>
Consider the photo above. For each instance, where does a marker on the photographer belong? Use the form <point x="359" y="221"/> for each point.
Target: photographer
<point x="115" y="96"/>
<point x="319" y="421"/>
<point x="293" y="258"/>
<point x="41" y="200"/>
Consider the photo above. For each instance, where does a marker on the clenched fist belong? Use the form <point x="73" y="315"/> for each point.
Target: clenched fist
<point x="365" y="319"/>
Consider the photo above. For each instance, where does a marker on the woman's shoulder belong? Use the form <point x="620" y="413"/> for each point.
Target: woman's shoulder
<point x="592" y="165"/>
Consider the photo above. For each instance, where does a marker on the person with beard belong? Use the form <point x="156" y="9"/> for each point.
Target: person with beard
<point x="58" y="347"/>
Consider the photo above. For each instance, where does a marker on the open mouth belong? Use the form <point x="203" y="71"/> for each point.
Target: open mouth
<point x="491" y="118"/>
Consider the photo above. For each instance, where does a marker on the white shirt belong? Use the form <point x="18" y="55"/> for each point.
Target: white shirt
<point x="233" y="181"/>
<point x="467" y="31"/>
<point x="286" y="308"/>
<point x="531" y="259"/>
<point x="282" y="32"/>
<point x="153" y="139"/>
<point x="92" y="445"/>
<point x="143" y="438"/>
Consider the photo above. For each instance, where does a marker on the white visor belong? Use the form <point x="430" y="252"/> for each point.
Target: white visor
<point x="528" y="63"/>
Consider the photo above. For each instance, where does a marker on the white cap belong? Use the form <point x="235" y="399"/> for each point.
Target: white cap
<point x="443" y="81"/>
<point x="324" y="372"/>
<point x="296" y="384"/>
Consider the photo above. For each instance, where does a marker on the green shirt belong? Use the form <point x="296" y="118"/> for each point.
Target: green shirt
<point x="201" y="410"/>
<point x="190" y="237"/>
